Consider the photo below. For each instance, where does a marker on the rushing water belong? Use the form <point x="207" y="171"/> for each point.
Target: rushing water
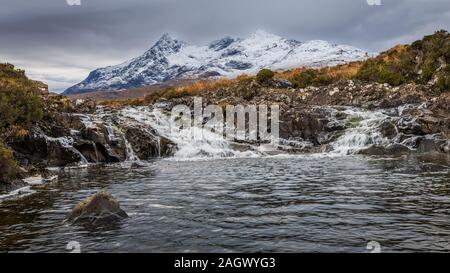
<point x="214" y="197"/>
<point x="292" y="204"/>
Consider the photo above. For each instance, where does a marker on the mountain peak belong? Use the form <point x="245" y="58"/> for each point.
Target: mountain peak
<point x="168" y="43"/>
<point x="172" y="59"/>
<point x="166" y="37"/>
<point x="222" y="43"/>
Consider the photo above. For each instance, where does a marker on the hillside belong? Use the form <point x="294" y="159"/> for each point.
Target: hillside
<point x="21" y="106"/>
<point x="423" y="62"/>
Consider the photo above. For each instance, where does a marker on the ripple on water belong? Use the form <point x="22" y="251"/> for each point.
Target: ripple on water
<point x="283" y="204"/>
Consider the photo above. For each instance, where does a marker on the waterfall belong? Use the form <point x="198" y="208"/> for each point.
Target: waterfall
<point x="129" y="152"/>
<point x="67" y="142"/>
<point x="158" y="139"/>
<point x="363" y="133"/>
<point x="96" y="151"/>
<point x="209" y="145"/>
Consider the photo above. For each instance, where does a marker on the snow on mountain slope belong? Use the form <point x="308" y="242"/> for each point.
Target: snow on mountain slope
<point x="171" y="59"/>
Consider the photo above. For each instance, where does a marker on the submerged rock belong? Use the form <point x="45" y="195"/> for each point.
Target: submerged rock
<point x="101" y="207"/>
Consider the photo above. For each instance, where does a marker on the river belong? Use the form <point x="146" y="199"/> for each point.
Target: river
<point x="273" y="204"/>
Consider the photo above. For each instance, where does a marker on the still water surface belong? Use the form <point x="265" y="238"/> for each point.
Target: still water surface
<point x="293" y="204"/>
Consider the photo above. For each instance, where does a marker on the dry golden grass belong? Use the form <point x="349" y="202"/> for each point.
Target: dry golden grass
<point x="199" y="87"/>
<point x="394" y="54"/>
<point x="288" y="74"/>
<point x="344" y="71"/>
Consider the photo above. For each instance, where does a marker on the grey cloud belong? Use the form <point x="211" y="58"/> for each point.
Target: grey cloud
<point x="60" y="44"/>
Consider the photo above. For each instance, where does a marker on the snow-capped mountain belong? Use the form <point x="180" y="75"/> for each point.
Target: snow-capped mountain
<point x="172" y="59"/>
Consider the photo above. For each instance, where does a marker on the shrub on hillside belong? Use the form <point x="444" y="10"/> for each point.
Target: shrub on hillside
<point x="264" y="76"/>
<point x="9" y="71"/>
<point x="9" y="169"/>
<point x="417" y="63"/>
<point x="312" y="77"/>
<point x="378" y="71"/>
<point x="443" y="83"/>
<point x="19" y="106"/>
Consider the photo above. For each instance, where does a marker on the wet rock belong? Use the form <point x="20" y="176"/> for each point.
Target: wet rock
<point x="429" y="124"/>
<point x="38" y="149"/>
<point x="145" y="144"/>
<point x="101" y="144"/>
<point x="297" y="147"/>
<point x="373" y="150"/>
<point x="84" y="106"/>
<point x="430" y="144"/>
<point x="6" y="187"/>
<point x="306" y="124"/>
<point x="93" y="152"/>
<point x="395" y="150"/>
<point x="101" y="207"/>
<point x="419" y="124"/>
<point x="388" y="129"/>
<point x="137" y="165"/>
<point x="335" y="125"/>
<point x="168" y="147"/>
<point x="426" y="144"/>
<point x="409" y="125"/>
<point x="95" y="134"/>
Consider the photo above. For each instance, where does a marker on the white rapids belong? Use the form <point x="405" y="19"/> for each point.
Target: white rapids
<point x="209" y="145"/>
<point x="363" y="133"/>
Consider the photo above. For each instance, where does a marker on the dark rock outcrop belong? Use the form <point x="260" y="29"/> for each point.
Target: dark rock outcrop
<point x="38" y="149"/>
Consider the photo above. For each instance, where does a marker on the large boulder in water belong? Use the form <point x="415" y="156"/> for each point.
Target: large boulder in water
<point x="101" y="207"/>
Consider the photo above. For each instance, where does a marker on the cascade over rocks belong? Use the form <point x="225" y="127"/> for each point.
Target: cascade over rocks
<point x="408" y="119"/>
<point x="345" y="117"/>
<point x="69" y="138"/>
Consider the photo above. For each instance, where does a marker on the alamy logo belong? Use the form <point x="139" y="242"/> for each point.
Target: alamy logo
<point x="374" y="2"/>
<point x="242" y="123"/>
<point x="73" y="2"/>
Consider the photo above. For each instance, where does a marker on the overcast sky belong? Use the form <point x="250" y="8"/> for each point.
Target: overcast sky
<point x="59" y="44"/>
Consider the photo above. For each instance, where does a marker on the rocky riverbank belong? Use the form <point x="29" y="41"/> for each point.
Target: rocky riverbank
<point x="320" y="112"/>
<point x="411" y="118"/>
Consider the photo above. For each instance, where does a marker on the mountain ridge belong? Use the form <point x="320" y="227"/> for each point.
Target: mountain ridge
<point x="173" y="59"/>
